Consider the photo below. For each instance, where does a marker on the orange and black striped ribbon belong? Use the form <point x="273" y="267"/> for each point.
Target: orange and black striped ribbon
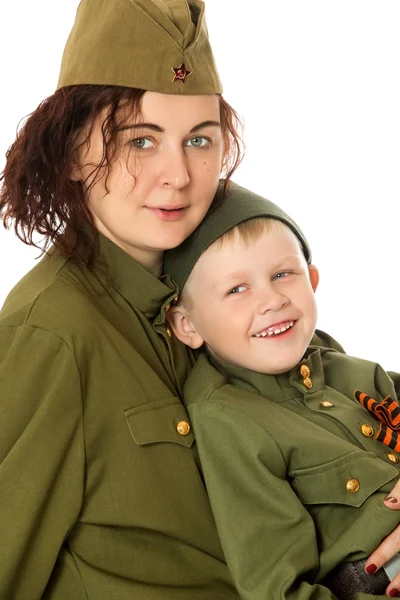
<point x="387" y="411"/>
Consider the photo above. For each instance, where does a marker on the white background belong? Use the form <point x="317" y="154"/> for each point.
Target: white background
<point x="318" y="85"/>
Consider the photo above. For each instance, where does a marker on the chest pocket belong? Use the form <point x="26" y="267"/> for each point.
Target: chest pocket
<point x="349" y="480"/>
<point x="161" y="421"/>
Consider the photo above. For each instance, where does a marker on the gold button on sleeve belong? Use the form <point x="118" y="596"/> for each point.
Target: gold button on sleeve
<point x="393" y="457"/>
<point x="183" y="427"/>
<point x="352" y="486"/>
<point x="304" y="371"/>
<point x="326" y="404"/>
<point x="367" y="430"/>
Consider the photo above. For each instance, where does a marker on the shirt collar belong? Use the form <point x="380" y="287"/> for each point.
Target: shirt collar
<point x="137" y="285"/>
<point x="278" y="387"/>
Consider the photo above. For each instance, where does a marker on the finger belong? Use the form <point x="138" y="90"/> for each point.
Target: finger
<point x="393" y="589"/>
<point x="392" y="501"/>
<point x="384" y="552"/>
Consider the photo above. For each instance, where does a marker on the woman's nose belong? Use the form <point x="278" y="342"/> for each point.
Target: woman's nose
<point x="174" y="171"/>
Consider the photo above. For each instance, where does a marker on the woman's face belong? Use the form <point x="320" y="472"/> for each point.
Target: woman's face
<point x="163" y="177"/>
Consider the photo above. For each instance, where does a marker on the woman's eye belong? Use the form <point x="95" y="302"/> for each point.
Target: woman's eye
<point x="237" y="290"/>
<point x="142" y="143"/>
<point x="198" y="142"/>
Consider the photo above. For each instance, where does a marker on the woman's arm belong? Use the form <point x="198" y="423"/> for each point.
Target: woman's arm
<point x="41" y="457"/>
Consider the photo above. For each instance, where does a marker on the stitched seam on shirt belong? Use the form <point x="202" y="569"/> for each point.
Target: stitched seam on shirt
<point x="42" y="291"/>
<point x="64" y="343"/>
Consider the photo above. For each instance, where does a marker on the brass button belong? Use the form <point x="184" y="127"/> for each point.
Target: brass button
<point x="183" y="427"/>
<point x="167" y="307"/>
<point x="326" y="404"/>
<point x="352" y="486"/>
<point x="176" y="299"/>
<point x="307" y="382"/>
<point x="393" y="457"/>
<point x="367" y="430"/>
<point x="304" y="371"/>
<point x="169" y="332"/>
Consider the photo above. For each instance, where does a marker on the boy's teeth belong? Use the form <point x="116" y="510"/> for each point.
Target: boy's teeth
<point x="276" y="331"/>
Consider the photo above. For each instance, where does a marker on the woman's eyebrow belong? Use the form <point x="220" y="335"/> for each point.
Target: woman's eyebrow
<point x="142" y="126"/>
<point x="205" y="124"/>
<point x="159" y="129"/>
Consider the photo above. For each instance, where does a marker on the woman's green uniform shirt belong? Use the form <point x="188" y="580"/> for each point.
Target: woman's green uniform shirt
<point x="278" y="456"/>
<point x="101" y="497"/>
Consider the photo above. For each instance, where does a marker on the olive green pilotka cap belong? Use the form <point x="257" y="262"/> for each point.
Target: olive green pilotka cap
<point x="153" y="45"/>
<point x="226" y="212"/>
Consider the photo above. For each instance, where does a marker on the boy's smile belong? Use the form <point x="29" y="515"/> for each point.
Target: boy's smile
<point x="253" y="303"/>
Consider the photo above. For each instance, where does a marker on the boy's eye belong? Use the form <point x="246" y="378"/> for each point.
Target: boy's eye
<point x="142" y="143"/>
<point x="237" y="290"/>
<point x="198" y="142"/>
<point x="281" y="275"/>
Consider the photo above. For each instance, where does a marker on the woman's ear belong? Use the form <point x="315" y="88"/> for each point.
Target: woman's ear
<point x="314" y="276"/>
<point x="183" y="328"/>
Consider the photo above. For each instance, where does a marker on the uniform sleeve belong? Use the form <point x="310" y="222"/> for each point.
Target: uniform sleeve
<point x="395" y="377"/>
<point x="267" y="535"/>
<point x="41" y="457"/>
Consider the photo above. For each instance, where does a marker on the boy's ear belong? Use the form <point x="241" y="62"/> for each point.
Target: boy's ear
<point x="183" y="328"/>
<point x="314" y="276"/>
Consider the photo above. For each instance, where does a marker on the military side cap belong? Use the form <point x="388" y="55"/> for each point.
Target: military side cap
<point x="154" y="45"/>
<point x="226" y="212"/>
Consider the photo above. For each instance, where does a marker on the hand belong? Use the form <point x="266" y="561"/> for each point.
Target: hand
<point x="393" y="500"/>
<point x="388" y="547"/>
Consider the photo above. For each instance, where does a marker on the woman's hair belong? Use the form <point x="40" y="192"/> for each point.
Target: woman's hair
<point x="37" y="193"/>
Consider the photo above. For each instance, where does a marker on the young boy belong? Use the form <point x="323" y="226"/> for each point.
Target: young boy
<point x="295" y="466"/>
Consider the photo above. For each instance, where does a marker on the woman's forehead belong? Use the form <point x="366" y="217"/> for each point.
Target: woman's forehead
<point x="162" y="109"/>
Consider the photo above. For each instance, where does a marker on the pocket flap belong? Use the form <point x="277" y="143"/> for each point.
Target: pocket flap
<point x="348" y="480"/>
<point x="157" y="422"/>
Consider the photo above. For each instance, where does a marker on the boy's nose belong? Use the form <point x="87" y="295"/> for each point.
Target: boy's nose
<point x="272" y="301"/>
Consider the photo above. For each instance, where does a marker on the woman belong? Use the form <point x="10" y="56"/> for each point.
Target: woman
<point x="101" y="493"/>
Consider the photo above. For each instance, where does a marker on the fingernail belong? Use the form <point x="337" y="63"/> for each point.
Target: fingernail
<point x="394" y="593"/>
<point x="391" y="499"/>
<point x="370" y="569"/>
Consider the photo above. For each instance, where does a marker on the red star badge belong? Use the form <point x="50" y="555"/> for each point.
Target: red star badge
<point x="180" y="73"/>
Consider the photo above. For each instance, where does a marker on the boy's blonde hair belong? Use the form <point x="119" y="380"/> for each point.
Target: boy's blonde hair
<point x="248" y="232"/>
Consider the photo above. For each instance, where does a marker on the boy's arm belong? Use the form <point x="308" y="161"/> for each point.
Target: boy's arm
<point x="268" y="537"/>
<point x="395" y="377"/>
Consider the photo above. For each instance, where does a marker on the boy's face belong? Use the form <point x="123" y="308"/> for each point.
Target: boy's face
<point x="253" y="305"/>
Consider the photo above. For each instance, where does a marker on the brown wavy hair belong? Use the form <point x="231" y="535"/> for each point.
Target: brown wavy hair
<point x="37" y="194"/>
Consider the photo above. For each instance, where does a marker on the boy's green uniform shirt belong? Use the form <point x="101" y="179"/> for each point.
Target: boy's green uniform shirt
<point x="282" y="463"/>
<point x="101" y="497"/>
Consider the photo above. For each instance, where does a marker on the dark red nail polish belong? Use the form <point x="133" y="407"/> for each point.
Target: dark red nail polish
<point x="394" y="593"/>
<point x="391" y="499"/>
<point x="371" y="569"/>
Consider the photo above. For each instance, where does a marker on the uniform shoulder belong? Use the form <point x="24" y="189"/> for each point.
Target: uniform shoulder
<point x="56" y="295"/>
<point x="202" y="381"/>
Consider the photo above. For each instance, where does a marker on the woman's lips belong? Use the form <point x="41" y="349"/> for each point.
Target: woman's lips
<point x="168" y="214"/>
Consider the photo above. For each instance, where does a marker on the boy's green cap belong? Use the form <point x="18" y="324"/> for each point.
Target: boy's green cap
<point x="226" y="212"/>
<point x="154" y="45"/>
